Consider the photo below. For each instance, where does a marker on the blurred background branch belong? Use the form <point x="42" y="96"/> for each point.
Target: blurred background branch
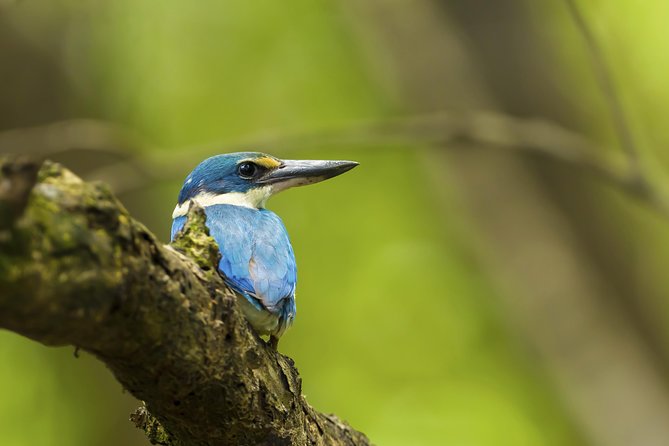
<point x="128" y="171"/>
<point x="607" y="85"/>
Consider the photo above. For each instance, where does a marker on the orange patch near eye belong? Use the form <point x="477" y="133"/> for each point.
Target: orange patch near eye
<point x="267" y="162"/>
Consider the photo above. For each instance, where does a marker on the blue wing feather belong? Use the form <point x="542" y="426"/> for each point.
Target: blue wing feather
<point x="257" y="257"/>
<point x="177" y="225"/>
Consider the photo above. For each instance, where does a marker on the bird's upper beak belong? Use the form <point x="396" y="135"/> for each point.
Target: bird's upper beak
<point x="301" y="172"/>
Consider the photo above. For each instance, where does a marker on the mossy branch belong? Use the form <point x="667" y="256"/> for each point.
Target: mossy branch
<point x="76" y="269"/>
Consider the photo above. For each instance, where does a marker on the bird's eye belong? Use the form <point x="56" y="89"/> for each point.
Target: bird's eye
<point x="247" y="170"/>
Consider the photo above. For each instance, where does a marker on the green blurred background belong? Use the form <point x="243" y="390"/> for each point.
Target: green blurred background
<point x="449" y="294"/>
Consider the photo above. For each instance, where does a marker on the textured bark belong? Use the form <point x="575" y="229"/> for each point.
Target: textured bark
<point x="76" y="269"/>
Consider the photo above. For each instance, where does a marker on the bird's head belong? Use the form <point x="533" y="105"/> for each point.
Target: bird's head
<point x="249" y="178"/>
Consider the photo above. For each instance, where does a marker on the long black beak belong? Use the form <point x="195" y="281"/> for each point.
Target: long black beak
<point x="301" y="172"/>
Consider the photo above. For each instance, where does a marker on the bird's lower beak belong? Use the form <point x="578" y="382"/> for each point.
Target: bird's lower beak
<point x="301" y="172"/>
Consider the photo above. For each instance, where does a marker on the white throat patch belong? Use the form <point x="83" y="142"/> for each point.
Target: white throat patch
<point x="254" y="199"/>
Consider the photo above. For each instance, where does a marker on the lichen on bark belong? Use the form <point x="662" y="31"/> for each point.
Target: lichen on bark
<point x="76" y="269"/>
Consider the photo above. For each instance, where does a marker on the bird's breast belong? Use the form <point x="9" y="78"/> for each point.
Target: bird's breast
<point x="257" y="261"/>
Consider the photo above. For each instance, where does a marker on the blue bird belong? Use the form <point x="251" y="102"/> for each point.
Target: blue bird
<point x="257" y="259"/>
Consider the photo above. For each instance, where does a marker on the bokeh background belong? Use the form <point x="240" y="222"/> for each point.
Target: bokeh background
<point x="492" y="274"/>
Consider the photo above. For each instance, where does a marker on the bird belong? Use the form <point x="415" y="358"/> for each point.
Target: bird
<point x="257" y="260"/>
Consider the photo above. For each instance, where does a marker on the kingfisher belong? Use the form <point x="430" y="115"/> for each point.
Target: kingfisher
<point x="257" y="259"/>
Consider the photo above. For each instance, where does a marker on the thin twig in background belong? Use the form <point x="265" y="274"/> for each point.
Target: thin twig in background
<point x="494" y="131"/>
<point x="73" y="134"/>
<point x="637" y="181"/>
<point x="606" y="83"/>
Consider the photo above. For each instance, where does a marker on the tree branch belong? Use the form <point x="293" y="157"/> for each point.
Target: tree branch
<point x="76" y="269"/>
<point x="605" y="81"/>
<point x="441" y="130"/>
